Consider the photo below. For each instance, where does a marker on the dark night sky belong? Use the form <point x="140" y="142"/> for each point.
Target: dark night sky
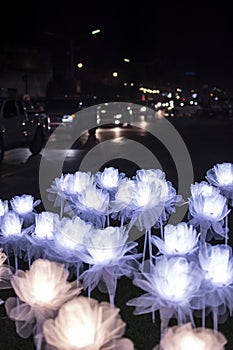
<point x="187" y="36"/>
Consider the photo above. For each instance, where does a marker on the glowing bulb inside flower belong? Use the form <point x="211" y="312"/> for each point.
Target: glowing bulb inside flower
<point x="42" y="292"/>
<point x="191" y="342"/>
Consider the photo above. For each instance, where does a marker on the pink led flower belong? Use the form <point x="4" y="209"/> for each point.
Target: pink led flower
<point x="5" y="272"/>
<point x="83" y="323"/>
<point x="40" y="291"/>
<point x="186" y="337"/>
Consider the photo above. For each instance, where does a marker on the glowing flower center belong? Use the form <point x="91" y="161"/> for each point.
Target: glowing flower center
<point x="43" y="291"/>
<point x="81" y="334"/>
<point x="102" y="255"/>
<point x="189" y="341"/>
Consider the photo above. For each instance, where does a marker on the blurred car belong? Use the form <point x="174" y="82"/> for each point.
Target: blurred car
<point x="17" y="128"/>
<point x="111" y="114"/>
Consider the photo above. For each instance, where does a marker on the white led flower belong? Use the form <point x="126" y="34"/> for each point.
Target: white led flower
<point x="109" y="257"/>
<point x="203" y="188"/>
<point x="170" y="285"/>
<point x="109" y="178"/>
<point x="68" y="186"/>
<point x="77" y="182"/>
<point x="92" y="205"/>
<point x="70" y="233"/>
<point x="106" y="245"/>
<point x="207" y="212"/>
<point x="178" y="240"/>
<point x="41" y="290"/>
<point x="11" y="224"/>
<point x="149" y="203"/>
<point x="216" y="263"/>
<point x="24" y="204"/>
<point x="68" y="241"/>
<point x="187" y="337"/>
<point x="221" y="176"/>
<point x="84" y="323"/>
<point x="124" y="196"/>
<point x="44" y="225"/>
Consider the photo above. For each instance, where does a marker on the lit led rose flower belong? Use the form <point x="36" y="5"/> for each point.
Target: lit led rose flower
<point x="203" y="188"/>
<point x="69" y="185"/>
<point x="92" y="205"/>
<point x="221" y="176"/>
<point x="109" y="179"/>
<point x="149" y="202"/>
<point x="178" y="240"/>
<point x="109" y="258"/>
<point x="41" y="290"/>
<point x="84" y="323"/>
<point x="78" y="182"/>
<point x="216" y="264"/>
<point x="106" y="245"/>
<point x="207" y="212"/>
<point x="39" y="235"/>
<point x="24" y="204"/>
<point x="44" y="225"/>
<point x="186" y="337"/>
<point x="11" y="224"/>
<point x="154" y="199"/>
<point x="170" y="285"/>
<point x="68" y="241"/>
<point x="120" y="206"/>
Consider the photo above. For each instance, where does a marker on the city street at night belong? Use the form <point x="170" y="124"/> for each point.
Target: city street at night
<point x="208" y="142"/>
